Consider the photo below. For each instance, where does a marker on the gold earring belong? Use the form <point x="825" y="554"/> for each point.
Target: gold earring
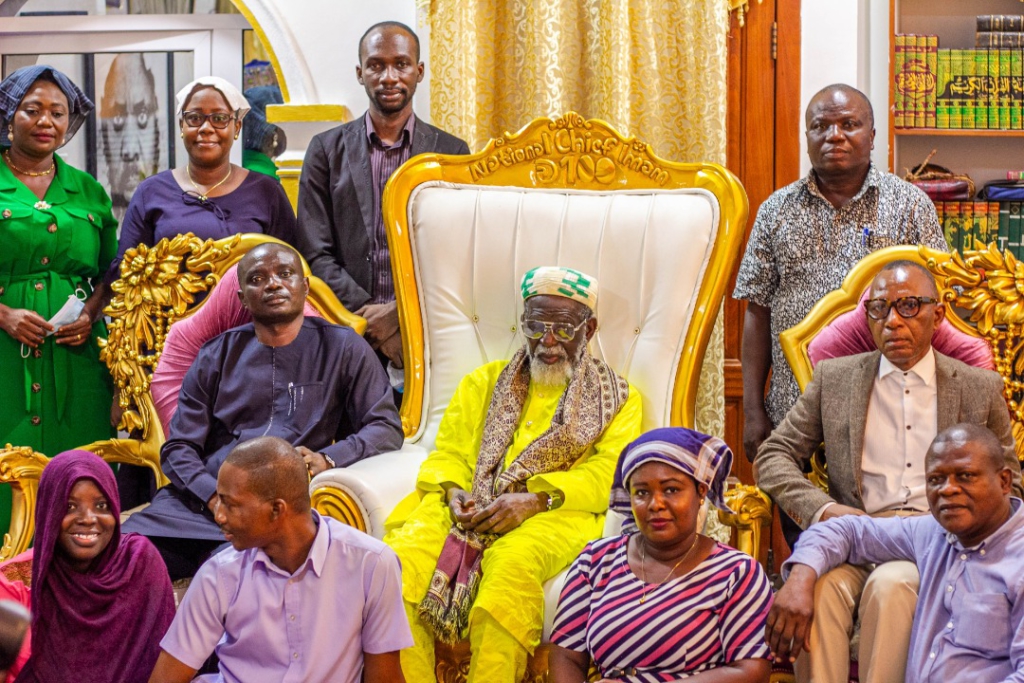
<point x="10" y="132"/>
<point x="182" y="134"/>
<point x="236" y="136"/>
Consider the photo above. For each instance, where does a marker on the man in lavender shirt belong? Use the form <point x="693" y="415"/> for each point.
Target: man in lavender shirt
<point x="299" y="598"/>
<point x="970" y="613"/>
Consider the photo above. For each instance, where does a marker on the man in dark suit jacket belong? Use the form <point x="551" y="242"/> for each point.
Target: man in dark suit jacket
<point x="876" y="414"/>
<point x="341" y="227"/>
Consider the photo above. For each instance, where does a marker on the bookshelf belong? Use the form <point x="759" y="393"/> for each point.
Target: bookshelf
<point x="983" y="154"/>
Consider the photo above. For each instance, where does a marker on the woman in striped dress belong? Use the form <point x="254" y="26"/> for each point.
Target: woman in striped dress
<point x="662" y="602"/>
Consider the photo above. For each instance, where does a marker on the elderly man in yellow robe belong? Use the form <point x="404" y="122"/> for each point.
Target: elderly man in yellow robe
<point x="518" y="484"/>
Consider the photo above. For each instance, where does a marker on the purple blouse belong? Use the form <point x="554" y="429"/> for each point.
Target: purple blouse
<point x="160" y="208"/>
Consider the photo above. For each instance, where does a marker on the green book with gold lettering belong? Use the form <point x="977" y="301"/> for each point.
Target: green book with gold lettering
<point x="969" y="106"/>
<point x="898" y="98"/>
<point x="980" y="91"/>
<point x="1003" y="209"/>
<point x="943" y="97"/>
<point x="929" y="79"/>
<point x="951" y="223"/>
<point x="992" y="88"/>
<point x="956" y="102"/>
<point x="1016" y="89"/>
<point x="1003" y="90"/>
<point x="1015" y="233"/>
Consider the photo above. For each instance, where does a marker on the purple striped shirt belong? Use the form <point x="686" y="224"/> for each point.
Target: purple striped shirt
<point x="384" y="161"/>
<point x="712" y="616"/>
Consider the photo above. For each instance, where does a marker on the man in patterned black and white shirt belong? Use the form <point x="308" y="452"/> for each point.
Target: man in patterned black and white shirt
<point x="807" y="237"/>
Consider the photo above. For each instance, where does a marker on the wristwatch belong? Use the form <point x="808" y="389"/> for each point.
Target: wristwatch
<point x="555" y="500"/>
<point x="330" y="461"/>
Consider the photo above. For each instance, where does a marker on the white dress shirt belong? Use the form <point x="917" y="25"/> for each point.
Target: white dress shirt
<point x="901" y="423"/>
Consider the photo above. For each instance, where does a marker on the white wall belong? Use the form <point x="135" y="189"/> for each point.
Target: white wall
<point x="323" y="36"/>
<point x="846" y="41"/>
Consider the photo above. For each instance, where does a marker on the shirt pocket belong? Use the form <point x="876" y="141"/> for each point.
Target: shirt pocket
<point x="305" y="405"/>
<point x="984" y="624"/>
<point x="81" y="229"/>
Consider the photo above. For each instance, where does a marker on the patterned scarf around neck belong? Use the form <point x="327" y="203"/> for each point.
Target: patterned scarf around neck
<point x="590" y="401"/>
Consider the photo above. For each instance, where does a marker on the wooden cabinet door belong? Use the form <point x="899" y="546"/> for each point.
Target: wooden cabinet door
<point x="764" y="122"/>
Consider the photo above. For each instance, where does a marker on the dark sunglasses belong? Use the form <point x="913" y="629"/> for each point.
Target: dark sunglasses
<point x="907" y="306"/>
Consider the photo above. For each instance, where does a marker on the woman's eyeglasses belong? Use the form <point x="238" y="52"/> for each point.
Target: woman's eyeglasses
<point x="535" y="329"/>
<point x="907" y="306"/>
<point x="195" y="119"/>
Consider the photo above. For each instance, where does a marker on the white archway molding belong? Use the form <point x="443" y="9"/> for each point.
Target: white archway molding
<point x="289" y="60"/>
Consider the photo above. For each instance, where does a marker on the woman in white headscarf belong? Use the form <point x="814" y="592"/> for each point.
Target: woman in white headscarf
<point x="209" y="196"/>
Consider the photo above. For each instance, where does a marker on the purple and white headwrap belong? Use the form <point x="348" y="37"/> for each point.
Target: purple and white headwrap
<point x="705" y="458"/>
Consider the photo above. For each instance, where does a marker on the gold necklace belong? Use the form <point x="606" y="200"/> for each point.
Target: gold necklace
<point x="204" y="196"/>
<point x="30" y="174"/>
<point x="643" y="564"/>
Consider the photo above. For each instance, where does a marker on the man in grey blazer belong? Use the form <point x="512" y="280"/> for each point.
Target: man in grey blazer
<point x="876" y="414"/>
<point x="340" y="223"/>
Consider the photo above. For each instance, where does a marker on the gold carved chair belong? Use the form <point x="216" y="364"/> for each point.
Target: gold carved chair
<point x="979" y="291"/>
<point x="661" y="238"/>
<point x="158" y="286"/>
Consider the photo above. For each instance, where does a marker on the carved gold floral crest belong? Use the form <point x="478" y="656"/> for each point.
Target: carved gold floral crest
<point x="989" y="286"/>
<point x="157" y="286"/>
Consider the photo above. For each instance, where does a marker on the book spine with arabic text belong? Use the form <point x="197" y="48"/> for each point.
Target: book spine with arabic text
<point x="1003" y="209"/>
<point x="980" y="80"/>
<point x="1002" y="89"/>
<point x="943" y="97"/>
<point x="930" y="79"/>
<point x="993" y="225"/>
<point x="1016" y="89"/>
<point x="991" y="89"/>
<point x="956" y="102"/>
<point x="1015" y="229"/>
<point x="899" y="99"/>
<point x="951" y="225"/>
<point x="1000" y="39"/>
<point x="1000" y="22"/>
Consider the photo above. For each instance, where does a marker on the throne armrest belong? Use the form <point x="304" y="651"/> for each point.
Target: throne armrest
<point x="750" y="509"/>
<point x="20" y="467"/>
<point x="364" y="493"/>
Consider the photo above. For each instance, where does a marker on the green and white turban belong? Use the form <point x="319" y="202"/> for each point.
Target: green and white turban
<point x="557" y="281"/>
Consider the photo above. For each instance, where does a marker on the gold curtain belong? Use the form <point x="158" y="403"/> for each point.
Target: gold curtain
<point x="652" y="68"/>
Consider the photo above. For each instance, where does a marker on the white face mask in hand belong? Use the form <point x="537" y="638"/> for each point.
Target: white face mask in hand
<point x="67" y="314"/>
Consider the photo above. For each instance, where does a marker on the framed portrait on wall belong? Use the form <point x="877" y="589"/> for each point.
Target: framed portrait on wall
<point x="133" y="122"/>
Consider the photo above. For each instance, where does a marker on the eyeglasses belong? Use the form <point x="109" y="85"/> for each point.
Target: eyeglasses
<point x="195" y="119"/>
<point x="566" y="332"/>
<point x="907" y="306"/>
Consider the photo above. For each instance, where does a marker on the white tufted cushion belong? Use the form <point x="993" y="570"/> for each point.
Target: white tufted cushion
<point x="471" y="246"/>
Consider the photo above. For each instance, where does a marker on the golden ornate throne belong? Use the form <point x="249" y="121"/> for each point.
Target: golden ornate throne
<point x="660" y="237"/>
<point x="982" y="293"/>
<point x="158" y="286"/>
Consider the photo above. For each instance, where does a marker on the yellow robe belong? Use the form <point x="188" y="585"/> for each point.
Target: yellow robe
<point x="516" y="565"/>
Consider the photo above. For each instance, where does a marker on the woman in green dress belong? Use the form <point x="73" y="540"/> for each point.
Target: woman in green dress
<point x="57" y="237"/>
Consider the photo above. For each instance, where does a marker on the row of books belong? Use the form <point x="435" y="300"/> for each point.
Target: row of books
<point x="970" y="226"/>
<point x="978" y="88"/>
<point x="1000" y="30"/>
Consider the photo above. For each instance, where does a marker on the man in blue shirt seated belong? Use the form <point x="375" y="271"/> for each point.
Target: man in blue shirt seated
<point x="970" y="610"/>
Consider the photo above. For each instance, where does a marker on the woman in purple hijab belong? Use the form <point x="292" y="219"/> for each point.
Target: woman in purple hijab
<point x="101" y="601"/>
